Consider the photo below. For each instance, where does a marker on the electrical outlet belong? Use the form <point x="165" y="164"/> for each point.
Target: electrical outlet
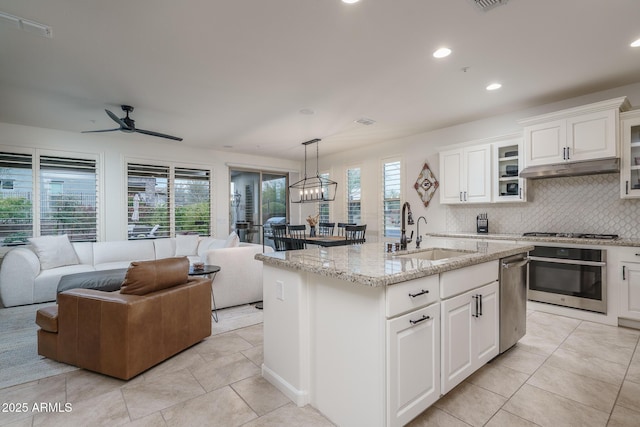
<point x="280" y="290"/>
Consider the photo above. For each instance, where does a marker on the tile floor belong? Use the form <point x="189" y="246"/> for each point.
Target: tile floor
<point x="564" y="372"/>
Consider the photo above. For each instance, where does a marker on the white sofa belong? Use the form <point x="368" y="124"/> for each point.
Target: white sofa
<point x="22" y="281"/>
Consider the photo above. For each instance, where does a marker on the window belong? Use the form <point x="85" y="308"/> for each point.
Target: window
<point x="68" y="196"/>
<point x="193" y="201"/>
<point x="67" y="202"/>
<point x="323" y="207"/>
<point x="164" y="200"/>
<point x="354" y="202"/>
<point x="391" y="179"/>
<point x="16" y="205"/>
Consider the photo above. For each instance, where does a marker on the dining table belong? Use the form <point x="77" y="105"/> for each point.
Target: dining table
<point x="327" y="241"/>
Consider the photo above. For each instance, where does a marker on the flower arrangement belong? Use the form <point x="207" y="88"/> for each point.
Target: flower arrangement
<point x="313" y="220"/>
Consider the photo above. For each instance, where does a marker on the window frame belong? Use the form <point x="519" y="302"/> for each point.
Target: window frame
<point x="36" y="187"/>
<point x="384" y="200"/>
<point x="347" y="194"/>
<point x="170" y="189"/>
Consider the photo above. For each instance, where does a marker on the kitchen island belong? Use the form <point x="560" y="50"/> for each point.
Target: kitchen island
<point x="374" y="338"/>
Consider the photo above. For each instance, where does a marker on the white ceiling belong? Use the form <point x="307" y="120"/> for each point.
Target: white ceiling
<point x="237" y="72"/>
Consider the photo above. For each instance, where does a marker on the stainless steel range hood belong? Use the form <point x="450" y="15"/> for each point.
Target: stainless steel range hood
<point x="590" y="167"/>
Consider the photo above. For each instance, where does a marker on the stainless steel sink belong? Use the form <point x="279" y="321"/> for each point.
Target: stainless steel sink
<point x="434" y="254"/>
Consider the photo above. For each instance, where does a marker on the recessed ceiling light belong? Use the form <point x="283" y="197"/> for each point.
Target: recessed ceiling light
<point x="350" y="1"/>
<point x="636" y="43"/>
<point x="442" y="52"/>
<point x="494" y="86"/>
<point x="365" y="121"/>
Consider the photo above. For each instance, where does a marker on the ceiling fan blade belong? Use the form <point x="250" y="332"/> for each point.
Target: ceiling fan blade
<point x="117" y="119"/>
<point x="161" y="135"/>
<point x="103" y="130"/>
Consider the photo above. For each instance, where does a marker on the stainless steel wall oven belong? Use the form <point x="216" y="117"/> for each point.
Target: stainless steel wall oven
<point x="571" y="277"/>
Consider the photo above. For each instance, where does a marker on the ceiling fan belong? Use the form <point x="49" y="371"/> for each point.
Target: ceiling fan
<point x="128" y="125"/>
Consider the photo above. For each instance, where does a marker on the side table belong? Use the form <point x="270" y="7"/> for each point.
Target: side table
<point x="210" y="272"/>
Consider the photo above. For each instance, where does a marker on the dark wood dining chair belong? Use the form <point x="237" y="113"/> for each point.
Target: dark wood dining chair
<point x="354" y="234"/>
<point x="326" y="228"/>
<point x="341" y="227"/>
<point x="279" y="237"/>
<point x="297" y="234"/>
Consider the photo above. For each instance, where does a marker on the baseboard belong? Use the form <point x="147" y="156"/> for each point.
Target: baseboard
<point x="628" y="323"/>
<point x="300" y="398"/>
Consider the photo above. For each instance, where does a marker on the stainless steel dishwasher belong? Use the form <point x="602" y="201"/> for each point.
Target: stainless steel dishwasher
<point x="513" y="299"/>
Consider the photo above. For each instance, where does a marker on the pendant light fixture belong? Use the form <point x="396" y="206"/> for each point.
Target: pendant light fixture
<point x="312" y="189"/>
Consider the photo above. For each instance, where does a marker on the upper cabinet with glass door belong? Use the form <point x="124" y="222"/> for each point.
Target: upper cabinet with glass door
<point x="508" y="162"/>
<point x="630" y="167"/>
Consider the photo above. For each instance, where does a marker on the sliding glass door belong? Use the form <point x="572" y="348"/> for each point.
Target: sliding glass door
<point x="254" y="198"/>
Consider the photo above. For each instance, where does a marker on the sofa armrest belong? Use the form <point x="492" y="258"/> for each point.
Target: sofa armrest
<point x="20" y="267"/>
<point x="240" y="278"/>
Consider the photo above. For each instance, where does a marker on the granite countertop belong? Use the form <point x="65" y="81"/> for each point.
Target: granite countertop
<point x="519" y="237"/>
<point x="369" y="264"/>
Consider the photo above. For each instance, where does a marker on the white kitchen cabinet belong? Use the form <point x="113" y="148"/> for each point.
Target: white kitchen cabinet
<point x="583" y="133"/>
<point x="465" y="175"/>
<point x="470" y="333"/>
<point x="630" y="291"/>
<point x="413" y="364"/>
<point x="508" y="161"/>
<point x="545" y="143"/>
<point x="630" y="155"/>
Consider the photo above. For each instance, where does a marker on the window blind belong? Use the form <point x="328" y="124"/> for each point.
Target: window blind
<point x="16" y="203"/>
<point x="192" y="201"/>
<point x="354" y="202"/>
<point x="69" y="197"/>
<point x="323" y="207"/>
<point x="391" y="198"/>
<point x="148" y="201"/>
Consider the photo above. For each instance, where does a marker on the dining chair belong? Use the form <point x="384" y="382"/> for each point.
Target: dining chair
<point x="297" y="234"/>
<point x="354" y="234"/>
<point x="342" y="225"/>
<point x="280" y="237"/>
<point x="326" y="228"/>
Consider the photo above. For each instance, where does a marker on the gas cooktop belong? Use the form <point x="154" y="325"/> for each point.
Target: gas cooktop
<point x="572" y="235"/>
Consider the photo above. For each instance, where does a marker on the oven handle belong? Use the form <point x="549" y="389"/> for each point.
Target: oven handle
<point x="568" y="261"/>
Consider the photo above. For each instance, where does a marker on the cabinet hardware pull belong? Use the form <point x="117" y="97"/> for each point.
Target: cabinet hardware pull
<point x="475" y="297"/>
<point x="521" y="193"/>
<point x="461" y="196"/>
<point x="422" y="292"/>
<point x="623" y="272"/>
<point x="465" y="196"/>
<point x="637" y="254"/>
<point x="626" y="187"/>
<point x="480" y="298"/>
<point x="422" y="319"/>
<point x="564" y="153"/>
<point x="568" y="153"/>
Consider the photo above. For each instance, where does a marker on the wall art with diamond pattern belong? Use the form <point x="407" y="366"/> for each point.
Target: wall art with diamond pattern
<point x="426" y="184"/>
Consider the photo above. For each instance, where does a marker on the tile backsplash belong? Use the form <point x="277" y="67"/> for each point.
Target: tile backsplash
<point x="582" y="204"/>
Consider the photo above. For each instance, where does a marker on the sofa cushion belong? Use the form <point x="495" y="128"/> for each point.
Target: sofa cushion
<point x="123" y="250"/>
<point x="47" y="318"/>
<point x="144" y="277"/>
<point x="187" y="244"/>
<point x="54" y="251"/>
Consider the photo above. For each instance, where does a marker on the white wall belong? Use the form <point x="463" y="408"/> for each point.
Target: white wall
<point x="114" y="149"/>
<point x="414" y="151"/>
<point x="418" y="149"/>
